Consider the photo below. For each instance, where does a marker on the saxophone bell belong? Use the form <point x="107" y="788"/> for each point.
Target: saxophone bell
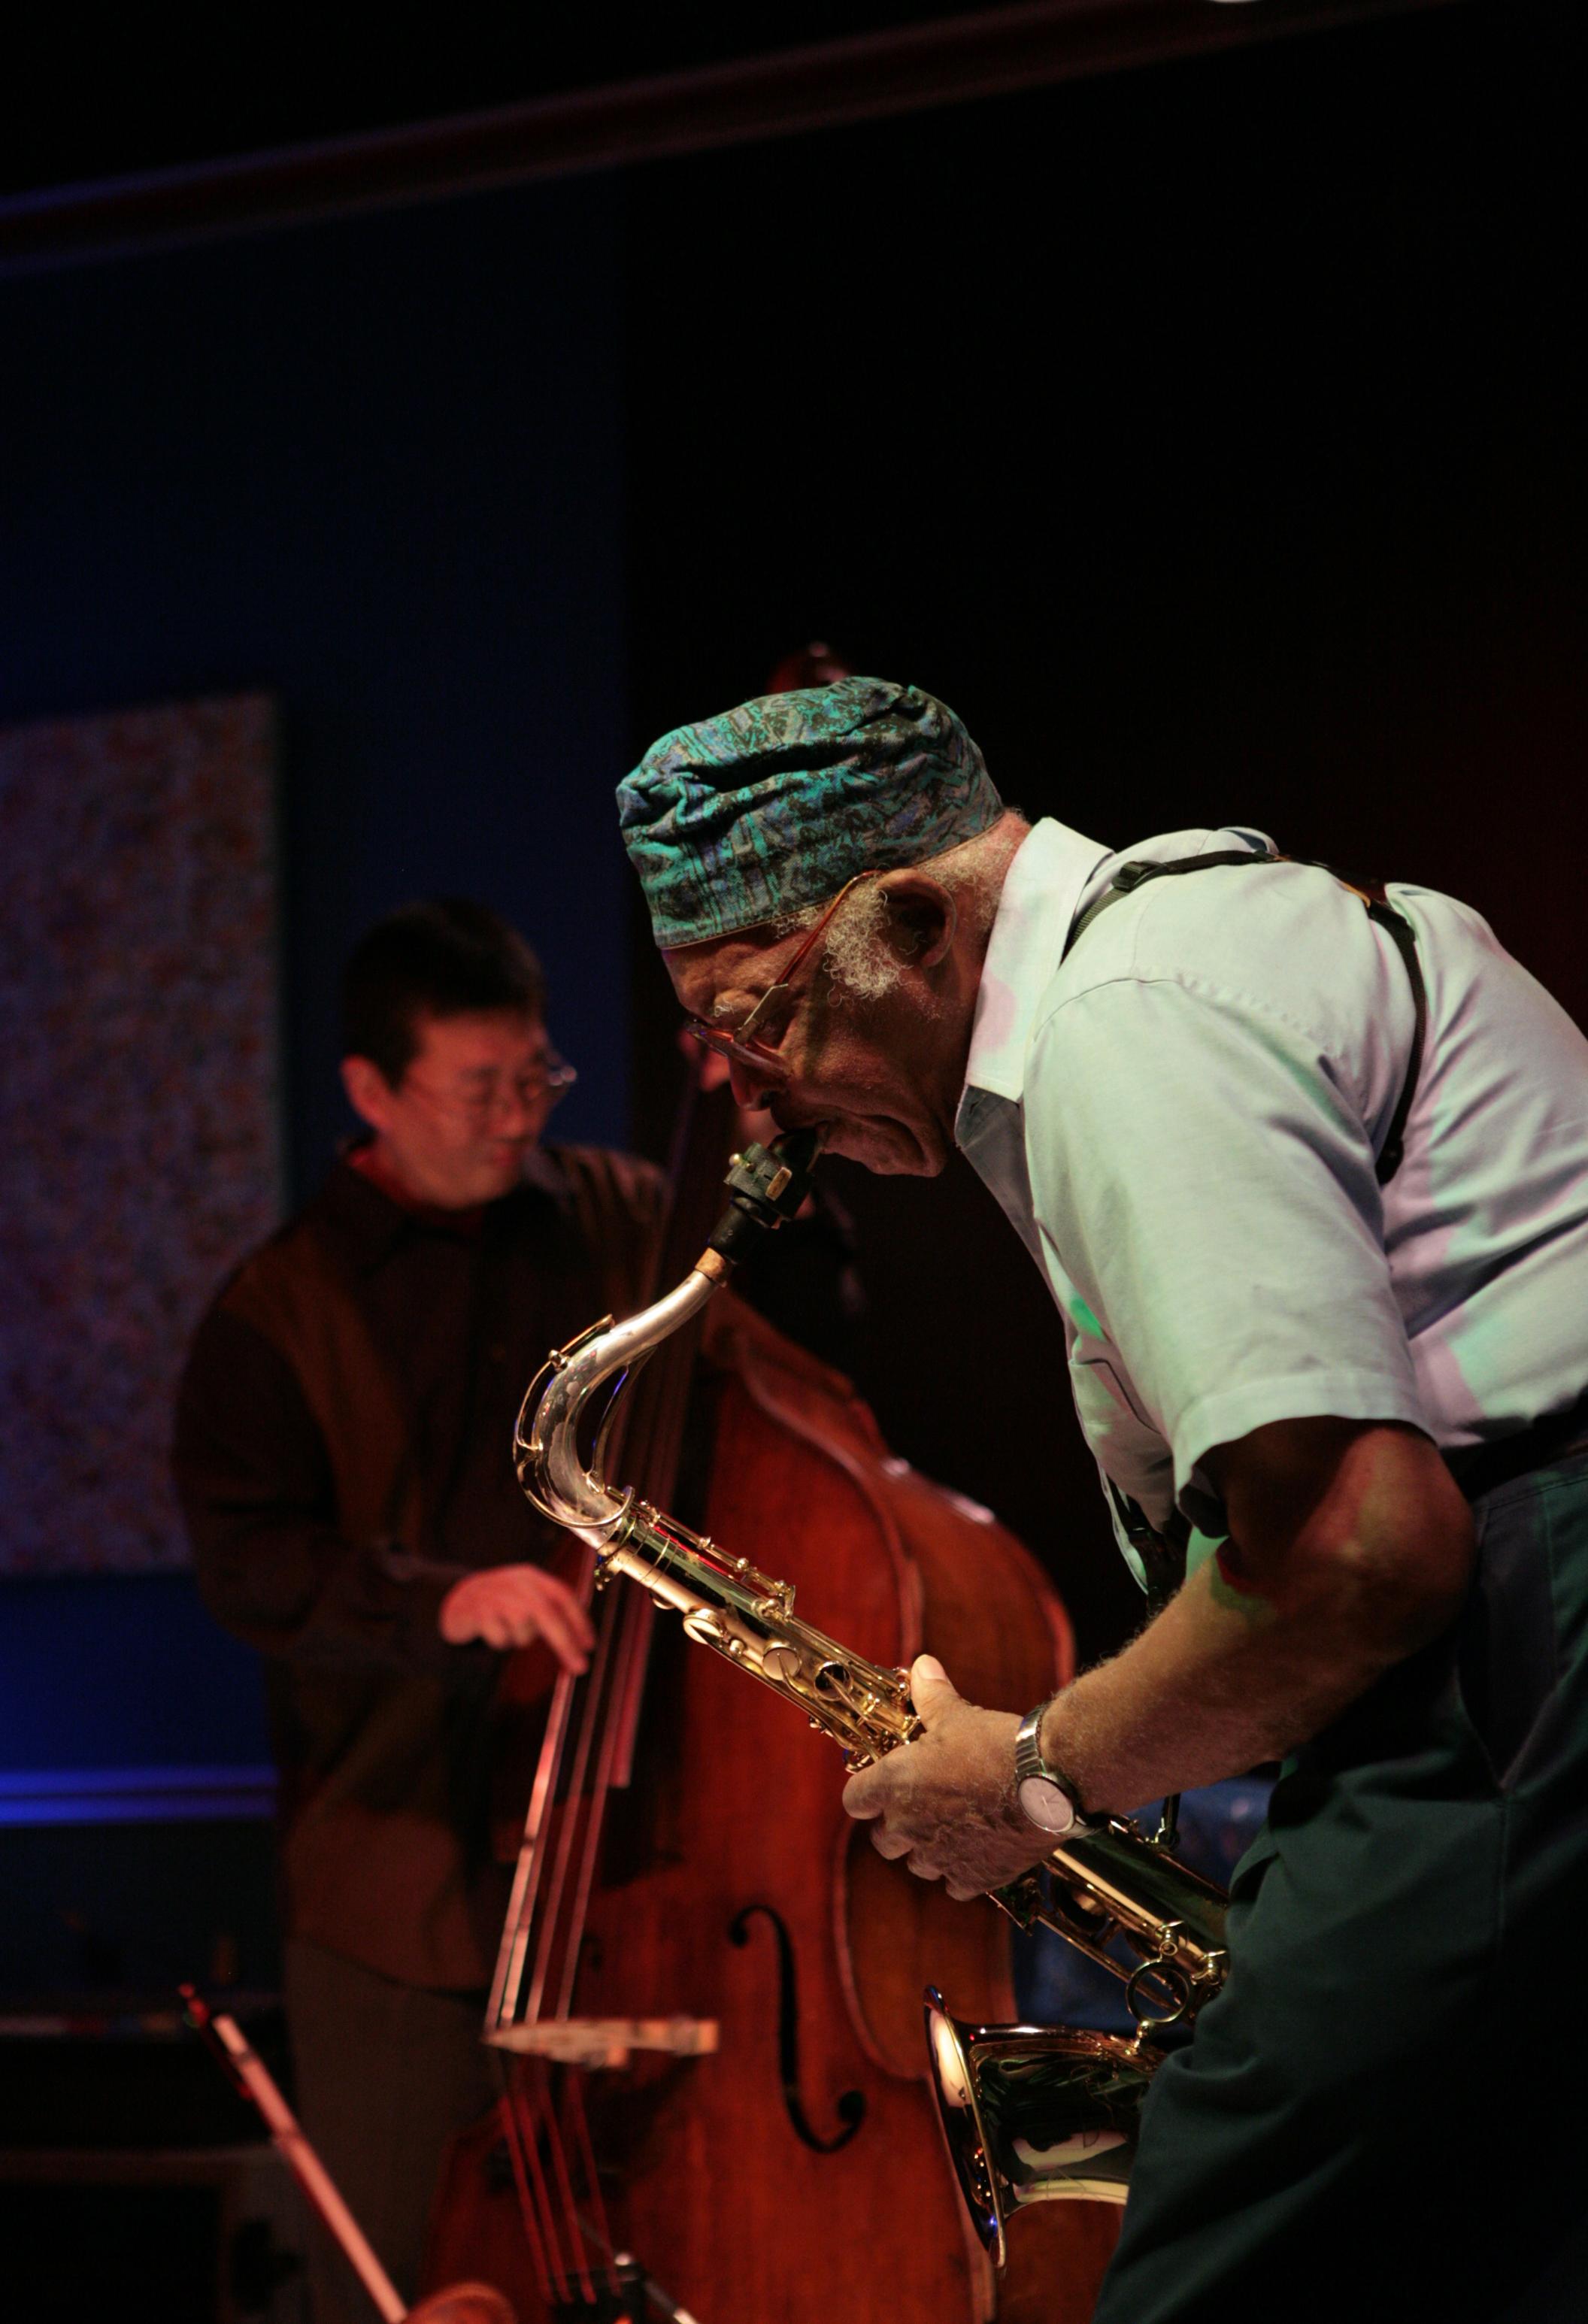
<point x="1034" y="2113"/>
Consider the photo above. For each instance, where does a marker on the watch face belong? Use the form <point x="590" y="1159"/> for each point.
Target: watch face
<point x="1044" y="1805"/>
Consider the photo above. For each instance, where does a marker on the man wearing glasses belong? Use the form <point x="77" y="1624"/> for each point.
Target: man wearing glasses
<point x="1305" y="1168"/>
<point x="342" y="1451"/>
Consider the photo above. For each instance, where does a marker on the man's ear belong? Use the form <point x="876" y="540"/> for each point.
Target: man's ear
<point x="369" y="1092"/>
<point x="923" y="920"/>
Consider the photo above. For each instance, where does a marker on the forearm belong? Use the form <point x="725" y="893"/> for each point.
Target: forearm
<point x="1355" y="1549"/>
<point x="1349" y="1566"/>
<point x="1217" y="1684"/>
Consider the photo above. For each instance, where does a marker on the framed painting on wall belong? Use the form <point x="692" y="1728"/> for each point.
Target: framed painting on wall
<point x="140" y="1145"/>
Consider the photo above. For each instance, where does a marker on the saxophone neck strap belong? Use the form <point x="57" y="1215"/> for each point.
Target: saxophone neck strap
<point x="1161" y="1550"/>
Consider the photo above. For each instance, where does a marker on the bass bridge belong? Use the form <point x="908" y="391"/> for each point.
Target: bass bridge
<point x="606" y="2041"/>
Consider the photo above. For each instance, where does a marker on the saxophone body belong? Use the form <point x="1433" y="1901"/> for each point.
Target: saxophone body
<point x="1030" y="2113"/>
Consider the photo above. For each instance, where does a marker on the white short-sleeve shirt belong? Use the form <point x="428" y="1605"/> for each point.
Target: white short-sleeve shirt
<point x="1181" y="1114"/>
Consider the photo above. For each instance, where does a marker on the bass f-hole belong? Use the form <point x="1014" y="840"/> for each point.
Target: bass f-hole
<point x="850" y="2106"/>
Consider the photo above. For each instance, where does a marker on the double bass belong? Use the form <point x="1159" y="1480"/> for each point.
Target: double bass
<point x="708" y="2000"/>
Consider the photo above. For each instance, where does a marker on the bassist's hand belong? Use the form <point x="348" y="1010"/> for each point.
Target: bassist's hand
<point x="515" y="1605"/>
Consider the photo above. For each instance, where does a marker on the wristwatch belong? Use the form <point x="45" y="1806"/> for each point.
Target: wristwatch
<point x="1045" y="1798"/>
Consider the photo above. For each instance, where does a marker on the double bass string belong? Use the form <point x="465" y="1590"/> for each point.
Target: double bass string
<point x="587" y="1751"/>
<point x="533" y="2202"/>
<point x="539" y="2092"/>
<point x="600" y="2229"/>
<point x="575" y="1807"/>
<point x="581" y="2234"/>
<point x="508" y="1982"/>
<point x="656" y="1422"/>
<point x="633" y="1632"/>
<point x="528" y="2095"/>
<point x="529" y="2115"/>
<point x="605" y="1733"/>
<point x="563" y="1808"/>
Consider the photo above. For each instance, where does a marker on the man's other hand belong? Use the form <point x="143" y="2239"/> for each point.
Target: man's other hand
<point x="515" y="1605"/>
<point x="946" y="1803"/>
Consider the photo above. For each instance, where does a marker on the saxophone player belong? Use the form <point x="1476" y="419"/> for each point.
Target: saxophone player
<point x="1304" y="1166"/>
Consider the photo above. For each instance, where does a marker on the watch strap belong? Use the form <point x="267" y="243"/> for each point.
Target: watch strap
<point x="1029" y="1763"/>
<point x="1028" y="1747"/>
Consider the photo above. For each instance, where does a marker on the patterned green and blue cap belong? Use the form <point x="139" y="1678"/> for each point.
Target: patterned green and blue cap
<point x="774" y="805"/>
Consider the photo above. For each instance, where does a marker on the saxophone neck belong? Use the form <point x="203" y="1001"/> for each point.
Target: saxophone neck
<point x="552" y="1468"/>
<point x="766" y="1185"/>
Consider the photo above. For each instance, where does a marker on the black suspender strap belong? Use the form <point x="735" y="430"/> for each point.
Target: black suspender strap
<point x="1163" y="1554"/>
<point x="1137" y="873"/>
<point x="1399" y="930"/>
<point x="1384" y="913"/>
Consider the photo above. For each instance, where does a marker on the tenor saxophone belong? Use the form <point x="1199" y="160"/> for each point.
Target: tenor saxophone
<point x="1031" y="2113"/>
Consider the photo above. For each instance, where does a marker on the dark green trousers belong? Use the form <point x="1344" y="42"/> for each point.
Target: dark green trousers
<point x="1385" y="2112"/>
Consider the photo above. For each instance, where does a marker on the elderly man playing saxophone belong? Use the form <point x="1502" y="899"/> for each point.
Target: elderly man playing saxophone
<point x="1305" y="1168"/>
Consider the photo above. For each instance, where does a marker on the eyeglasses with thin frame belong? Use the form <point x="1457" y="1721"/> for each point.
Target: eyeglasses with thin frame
<point x="552" y="1077"/>
<point x="738" y="1045"/>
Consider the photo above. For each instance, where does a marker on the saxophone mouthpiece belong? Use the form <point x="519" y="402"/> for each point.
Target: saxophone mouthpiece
<point x="766" y="1185"/>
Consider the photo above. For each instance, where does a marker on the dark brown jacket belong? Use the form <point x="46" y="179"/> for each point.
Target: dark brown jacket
<point x="343" y="1456"/>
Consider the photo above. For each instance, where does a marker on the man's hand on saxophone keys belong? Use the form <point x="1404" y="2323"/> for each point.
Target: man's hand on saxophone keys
<point x="946" y="1803"/>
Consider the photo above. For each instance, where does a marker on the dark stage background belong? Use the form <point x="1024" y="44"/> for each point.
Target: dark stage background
<point x="1208" y="435"/>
